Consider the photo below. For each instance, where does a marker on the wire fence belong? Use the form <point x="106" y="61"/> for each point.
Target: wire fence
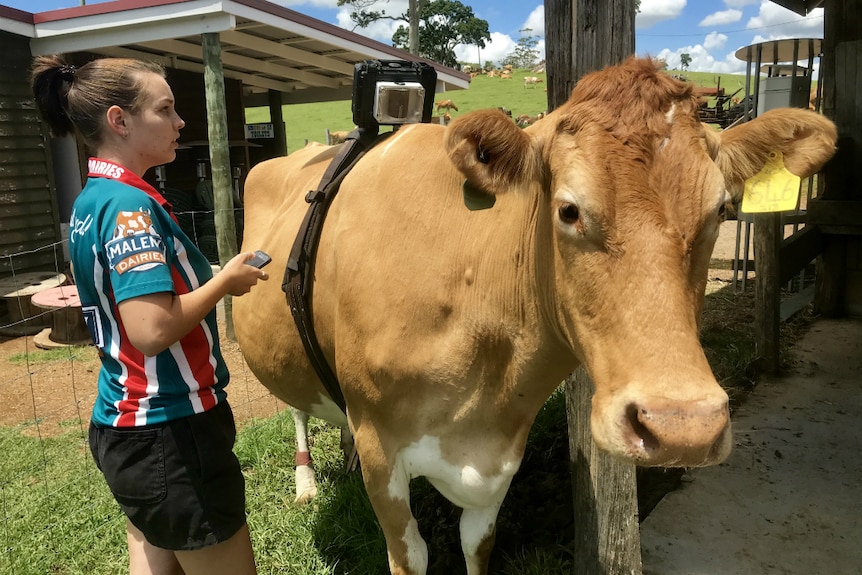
<point x="48" y="480"/>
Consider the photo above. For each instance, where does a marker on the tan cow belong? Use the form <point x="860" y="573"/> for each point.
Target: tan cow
<point x="445" y="105"/>
<point x="532" y="81"/>
<point x="338" y="136"/>
<point x="448" y="325"/>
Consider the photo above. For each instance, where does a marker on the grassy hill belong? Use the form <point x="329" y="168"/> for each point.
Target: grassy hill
<point x="308" y="122"/>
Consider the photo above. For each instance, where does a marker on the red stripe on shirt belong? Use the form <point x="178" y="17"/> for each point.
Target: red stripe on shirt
<point x="135" y="384"/>
<point x="196" y="348"/>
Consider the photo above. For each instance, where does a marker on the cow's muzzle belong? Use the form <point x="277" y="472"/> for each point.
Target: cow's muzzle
<point x="657" y="431"/>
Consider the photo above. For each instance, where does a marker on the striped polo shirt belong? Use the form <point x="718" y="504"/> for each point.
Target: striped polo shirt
<point x="124" y="243"/>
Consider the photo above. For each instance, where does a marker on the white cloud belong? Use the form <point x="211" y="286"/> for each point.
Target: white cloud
<point x="380" y="30"/>
<point x="496" y="50"/>
<point x="536" y="21"/>
<point x="775" y="22"/>
<point x="702" y="61"/>
<point x="714" y="41"/>
<point x="654" y="11"/>
<point x="721" y="18"/>
<point x="739" y="3"/>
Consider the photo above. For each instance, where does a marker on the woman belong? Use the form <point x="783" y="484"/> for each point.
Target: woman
<point x="161" y="432"/>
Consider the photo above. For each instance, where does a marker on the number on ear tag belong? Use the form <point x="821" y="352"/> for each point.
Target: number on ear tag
<point x="773" y="189"/>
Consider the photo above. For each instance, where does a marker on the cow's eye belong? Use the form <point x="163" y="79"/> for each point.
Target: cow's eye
<point x="722" y="212"/>
<point x="569" y="213"/>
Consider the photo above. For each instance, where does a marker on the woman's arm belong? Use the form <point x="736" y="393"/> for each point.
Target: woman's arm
<point x="156" y="321"/>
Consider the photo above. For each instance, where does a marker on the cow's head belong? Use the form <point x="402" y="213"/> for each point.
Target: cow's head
<point x="631" y="189"/>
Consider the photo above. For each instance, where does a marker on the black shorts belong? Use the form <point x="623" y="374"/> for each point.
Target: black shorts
<point x="178" y="482"/>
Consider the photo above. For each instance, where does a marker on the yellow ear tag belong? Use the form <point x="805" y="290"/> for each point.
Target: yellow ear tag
<point x="773" y="189"/>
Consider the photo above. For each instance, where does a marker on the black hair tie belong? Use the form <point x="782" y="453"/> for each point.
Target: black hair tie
<point x="67" y="72"/>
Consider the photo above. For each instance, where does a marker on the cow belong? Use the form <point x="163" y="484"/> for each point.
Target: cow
<point x="132" y="223"/>
<point x="445" y="104"/>
<point x="337" y="137"/>
<point x="532" y="81"/>
<point x="464" y="271"/>
<point x="524" y="120"/>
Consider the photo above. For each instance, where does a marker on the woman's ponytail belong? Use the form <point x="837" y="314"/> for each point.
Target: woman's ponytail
<point x="51" y="78"/>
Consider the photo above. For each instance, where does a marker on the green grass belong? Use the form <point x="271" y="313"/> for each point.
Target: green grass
<point x="39" y="356"/>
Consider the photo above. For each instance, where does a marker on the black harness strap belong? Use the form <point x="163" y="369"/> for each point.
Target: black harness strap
<point x="299" y="274"/>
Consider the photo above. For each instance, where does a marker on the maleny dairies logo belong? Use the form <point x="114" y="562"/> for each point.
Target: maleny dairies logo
<point x="135" y="244"/>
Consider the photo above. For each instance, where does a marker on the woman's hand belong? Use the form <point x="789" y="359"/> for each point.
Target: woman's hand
<point x="240" y="277"/>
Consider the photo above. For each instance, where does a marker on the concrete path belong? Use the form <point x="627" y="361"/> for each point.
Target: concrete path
<point x="789" y="498"/>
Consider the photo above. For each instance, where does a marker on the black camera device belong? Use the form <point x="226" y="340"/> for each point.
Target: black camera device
<point x="392" y="92"/>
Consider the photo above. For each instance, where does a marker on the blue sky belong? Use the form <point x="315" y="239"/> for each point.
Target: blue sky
<point x="710" y="32"/>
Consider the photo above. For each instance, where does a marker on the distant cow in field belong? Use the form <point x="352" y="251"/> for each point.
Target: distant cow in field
<point x="525" y="120"/>
<point x="338" y="137"/>
<point x="449" y="321"/>
<point x="532" y="81"/>
<point x="445" y="105"/>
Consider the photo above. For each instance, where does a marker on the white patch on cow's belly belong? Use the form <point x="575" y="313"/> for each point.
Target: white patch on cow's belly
<point x="327" y="410"/>
<point x="464" y="486"/>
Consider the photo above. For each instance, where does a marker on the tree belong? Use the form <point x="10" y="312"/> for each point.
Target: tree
<point x="442" y="25"/>
<point x="525" y="53"/>
<point x="685" y="60"/>
<point x="363" y="15"/>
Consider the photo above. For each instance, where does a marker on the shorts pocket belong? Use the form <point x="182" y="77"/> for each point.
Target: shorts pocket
<point x="133" y="463"/>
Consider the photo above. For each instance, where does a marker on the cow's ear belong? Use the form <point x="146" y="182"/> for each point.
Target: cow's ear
<point x="805" y="139"/>
<point x="490" y="150"/>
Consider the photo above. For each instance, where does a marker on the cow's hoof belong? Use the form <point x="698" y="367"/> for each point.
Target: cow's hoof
<point x="306" y="484"/>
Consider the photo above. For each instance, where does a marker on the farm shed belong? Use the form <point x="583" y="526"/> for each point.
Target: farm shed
<point x="29" y="217"/>
<point x="221" y="57"/>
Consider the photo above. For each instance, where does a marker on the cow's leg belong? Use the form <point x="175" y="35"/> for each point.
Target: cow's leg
<point x="306" y="481"/>
<point x="388" y="489"/>
<point x="478" y="529"/>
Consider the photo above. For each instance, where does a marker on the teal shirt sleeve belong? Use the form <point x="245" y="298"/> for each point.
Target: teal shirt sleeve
<point x="135" y="235"/>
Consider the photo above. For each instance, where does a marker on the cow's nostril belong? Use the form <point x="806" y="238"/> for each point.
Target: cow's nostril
<point x="639" y="435"/>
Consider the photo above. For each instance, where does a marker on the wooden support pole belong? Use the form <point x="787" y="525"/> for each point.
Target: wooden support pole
<point x="767" y="289"/>
<point x="607" y="531"/>
<point x="583" y="36"/>
<point x="219" y="159"/>
<point x="277" y="119"/>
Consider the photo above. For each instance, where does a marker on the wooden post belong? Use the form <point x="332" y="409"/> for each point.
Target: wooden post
<point x="277" y="119"/>
<point x="583" y="36"/>
<point x="841" y="76"/>
<point x="607" y="534"/>
<point x="767" y="289"/>
<point x="219" y="159"/>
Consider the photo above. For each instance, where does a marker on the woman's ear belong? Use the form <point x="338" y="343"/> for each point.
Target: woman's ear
<point x="115" y="119"/>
